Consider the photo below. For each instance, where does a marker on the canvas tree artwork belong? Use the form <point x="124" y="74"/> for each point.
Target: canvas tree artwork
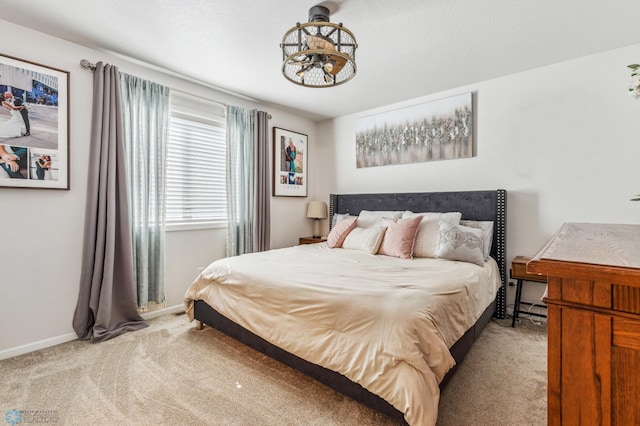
<point x="438" y="130"/>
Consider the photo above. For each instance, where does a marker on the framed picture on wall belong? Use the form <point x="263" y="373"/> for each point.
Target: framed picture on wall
<point x="438" y="130"/>
<point x="290" y="151"/>
<point x="34" y="125"/>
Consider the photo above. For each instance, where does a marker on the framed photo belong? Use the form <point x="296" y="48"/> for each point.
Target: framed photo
<point x="34" y="125"/>
<point x="290" y="150"/>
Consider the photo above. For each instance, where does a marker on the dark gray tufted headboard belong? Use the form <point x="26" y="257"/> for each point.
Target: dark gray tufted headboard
<point x="474" y="205"/>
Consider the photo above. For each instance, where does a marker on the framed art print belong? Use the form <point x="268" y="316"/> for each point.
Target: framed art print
<point x="34" y="125"/>
<point x="290" y="150"/>
<point x="432" y="131"/>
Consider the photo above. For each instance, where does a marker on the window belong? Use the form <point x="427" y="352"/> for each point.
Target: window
<point x="196" y="166"/>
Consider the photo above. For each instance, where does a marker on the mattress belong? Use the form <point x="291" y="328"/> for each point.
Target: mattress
<point x="383" y="322"/>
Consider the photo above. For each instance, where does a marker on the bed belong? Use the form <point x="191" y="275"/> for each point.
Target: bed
<point x="400" y="381"/>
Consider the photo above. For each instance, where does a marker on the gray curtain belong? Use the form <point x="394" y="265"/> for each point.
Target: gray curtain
<point x="240" y="184"/>
<point x="262" y="177"/>
<point x="107" y="300"/>
<point x="145" y="107"/>
<point x="248" y="181"/>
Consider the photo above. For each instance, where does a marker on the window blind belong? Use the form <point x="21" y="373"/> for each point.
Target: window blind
<point x="196" y="166"/>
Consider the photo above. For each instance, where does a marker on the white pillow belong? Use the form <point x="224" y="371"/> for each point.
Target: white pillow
<point x="368" y="218"/>
<point x="428" y="238"/>
<point x="364" y="239"/>
<point x="461" y="243"/>
<point x="487" y="233"/>
<point x="452" y="217"/>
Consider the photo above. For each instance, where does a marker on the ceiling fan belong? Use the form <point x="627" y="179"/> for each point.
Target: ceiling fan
<point x="319" y="53"/>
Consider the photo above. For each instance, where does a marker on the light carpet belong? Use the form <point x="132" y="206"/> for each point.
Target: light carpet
<point x="170" y="373"/>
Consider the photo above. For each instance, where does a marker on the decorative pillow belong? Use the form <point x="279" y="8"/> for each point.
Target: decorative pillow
<point x="452" y="217"/>
<point x="428" y="238"/>
<point x="461" y="243"/>
<point x="337" y="217"/>
<point x="368" y="218"/>
<point x="364" y="239"/>
<point x="487" y="229"/>
<point x="340" y="231"/>
<point x="399" y="237"/>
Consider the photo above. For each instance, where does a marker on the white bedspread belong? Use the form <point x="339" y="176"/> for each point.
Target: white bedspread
<point x="383" y="322"/>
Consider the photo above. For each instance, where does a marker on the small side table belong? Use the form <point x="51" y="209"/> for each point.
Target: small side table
<point x="311" y="240"/>
<point x="519" y="273"/>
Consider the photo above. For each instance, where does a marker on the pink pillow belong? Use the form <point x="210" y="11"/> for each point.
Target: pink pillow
<point x="340" y="231"/>
<point x="400" y="237"/>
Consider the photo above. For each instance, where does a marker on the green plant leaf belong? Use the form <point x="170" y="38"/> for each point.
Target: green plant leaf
<point x="633" y="66"/>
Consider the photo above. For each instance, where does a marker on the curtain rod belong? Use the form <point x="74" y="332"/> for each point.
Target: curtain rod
<point x="85" y="64"/>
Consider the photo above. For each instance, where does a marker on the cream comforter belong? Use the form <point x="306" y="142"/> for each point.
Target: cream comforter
<point x="383" y="322"/>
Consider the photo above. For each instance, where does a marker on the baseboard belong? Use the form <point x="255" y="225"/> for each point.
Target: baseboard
<point x="46" y="343"/>
<point x="164" y="311"/>
<point x="36" y="346"/>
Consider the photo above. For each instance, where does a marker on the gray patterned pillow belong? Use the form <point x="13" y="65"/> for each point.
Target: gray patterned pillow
<point x="487" y="236"/>
<point x="459" y="242"/>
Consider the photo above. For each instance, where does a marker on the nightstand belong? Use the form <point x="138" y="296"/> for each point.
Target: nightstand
<point x="311" y="240"/>
<point x="519" y="273"/>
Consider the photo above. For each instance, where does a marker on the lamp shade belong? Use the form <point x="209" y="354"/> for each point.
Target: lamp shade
<point x="317" y="210"/>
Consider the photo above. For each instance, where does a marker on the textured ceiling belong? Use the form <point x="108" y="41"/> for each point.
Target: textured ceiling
<point x="407" y="48"/>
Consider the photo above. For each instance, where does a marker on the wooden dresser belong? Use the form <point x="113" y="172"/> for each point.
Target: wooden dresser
<point x="593" y="303"/>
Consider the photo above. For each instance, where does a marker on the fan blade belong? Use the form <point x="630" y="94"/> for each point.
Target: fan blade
<point x="318" y="42"/>
<point x="338" y="63"/>
<point x="299" y="63"/>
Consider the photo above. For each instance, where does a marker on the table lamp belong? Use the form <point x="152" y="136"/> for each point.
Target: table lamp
<point x="317" y="210"/>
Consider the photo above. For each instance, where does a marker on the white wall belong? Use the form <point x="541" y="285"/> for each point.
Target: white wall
<point x="563" y="140"/>
<point x="42" y="230"/>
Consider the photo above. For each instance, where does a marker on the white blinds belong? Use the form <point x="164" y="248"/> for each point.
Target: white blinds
<point x="196" y="169"/>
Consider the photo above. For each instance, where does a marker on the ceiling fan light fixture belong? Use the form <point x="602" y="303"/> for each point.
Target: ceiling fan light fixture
<point x="319" y="53"/>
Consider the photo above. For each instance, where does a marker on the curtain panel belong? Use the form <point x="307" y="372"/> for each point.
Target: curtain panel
<point x="248" y="181"/>
<point x="145" y="124"/>
<point x="262" y="176"/>
<point x="106" y="304"/>
<point x="240" y="187"/>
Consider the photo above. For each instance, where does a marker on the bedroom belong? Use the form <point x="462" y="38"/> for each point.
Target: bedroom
<point x="562" y="139"/>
